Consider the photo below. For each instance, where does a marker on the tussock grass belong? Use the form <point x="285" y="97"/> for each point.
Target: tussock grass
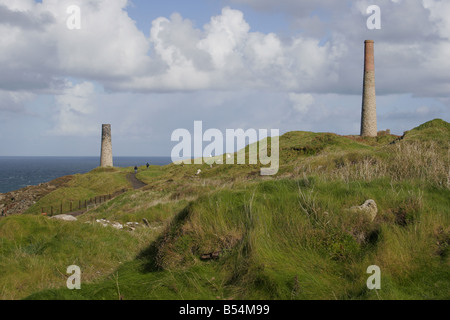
<point x="294" y="239"/>
<point x="290" y="236"/>
<point x="406" y="161"/>
<point x="36" y="251"/>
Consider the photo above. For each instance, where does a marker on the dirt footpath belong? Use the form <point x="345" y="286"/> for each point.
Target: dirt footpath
<point x="135" y="182"/>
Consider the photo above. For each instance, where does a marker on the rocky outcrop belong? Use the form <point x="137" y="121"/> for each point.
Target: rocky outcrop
<point x="19" y="201"/>
<point x="368" y="208"/>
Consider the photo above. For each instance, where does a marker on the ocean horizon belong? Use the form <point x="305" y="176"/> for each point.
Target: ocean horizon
<point x="18" y="172"/>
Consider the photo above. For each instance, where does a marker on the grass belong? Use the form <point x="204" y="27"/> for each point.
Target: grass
<point x="291" y="236"/>
<point x="36" y="252"/>
<point x="435" y="130"/>
<point x="136" y="206"/>
<point x="273" y="249"/>
<point x="83" y="187"/>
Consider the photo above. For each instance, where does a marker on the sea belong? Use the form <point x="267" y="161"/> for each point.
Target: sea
<point x="20" y="172"/>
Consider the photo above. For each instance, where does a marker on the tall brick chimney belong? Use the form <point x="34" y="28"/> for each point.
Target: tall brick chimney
<point x="106" y="157"/>
<point x="369" y="104"/>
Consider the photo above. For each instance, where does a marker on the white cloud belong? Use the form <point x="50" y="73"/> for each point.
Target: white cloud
<point x="74" y="108"/>
<point x="301" y="102"/>
<point x="324" y="56"/>
<point x="224" y="54"/>
<point x="14" y="101"/>
<point x="108" y="46"/>
<point x="225" y="37"/>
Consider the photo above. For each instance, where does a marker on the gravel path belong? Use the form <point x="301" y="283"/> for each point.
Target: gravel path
<point x="135" y="182"/>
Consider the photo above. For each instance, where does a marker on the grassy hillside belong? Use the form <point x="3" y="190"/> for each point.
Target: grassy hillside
<point x="36" y="251"/>
<point x="435" y="131"/>
<point x="82" y="187"/>
<point x="229" y="233"/>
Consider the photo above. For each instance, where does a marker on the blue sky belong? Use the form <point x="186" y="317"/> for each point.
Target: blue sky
<point x="201" y="11"/>
<point x="151" y="67"/>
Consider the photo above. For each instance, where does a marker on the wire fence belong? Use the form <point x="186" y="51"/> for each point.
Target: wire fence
<point x="73" y="206"/>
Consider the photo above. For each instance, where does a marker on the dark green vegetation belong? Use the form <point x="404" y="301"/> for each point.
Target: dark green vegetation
<point x="290" y="236"/>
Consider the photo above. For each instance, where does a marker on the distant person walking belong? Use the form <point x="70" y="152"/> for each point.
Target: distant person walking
<point x="135" y="169"/>
<point x="148" y="165"/>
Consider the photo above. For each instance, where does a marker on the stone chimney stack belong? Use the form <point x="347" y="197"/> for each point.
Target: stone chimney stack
<point x="369" y="104"/>
<point x="106" y="157"/>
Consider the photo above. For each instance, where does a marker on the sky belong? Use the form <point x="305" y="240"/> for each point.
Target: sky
<point x="151" y="67"/>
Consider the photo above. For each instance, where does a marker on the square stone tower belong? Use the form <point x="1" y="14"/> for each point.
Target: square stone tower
<point x="369" y="104"/>
<point x="106" y="157"/>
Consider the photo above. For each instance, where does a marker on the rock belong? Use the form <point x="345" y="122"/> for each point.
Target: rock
<point x="106" y="223"/>
<point x="103" y="222"/>
<point x="132" y="224"/>
<point x="64" y="217"/>
<point x="369" y="208"/>
<point x="117" y="225"/>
